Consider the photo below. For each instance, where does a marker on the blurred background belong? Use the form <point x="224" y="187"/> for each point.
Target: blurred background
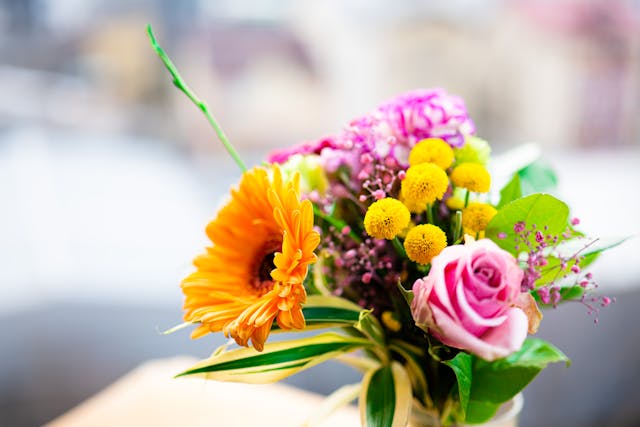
<point x="108" y="175"/>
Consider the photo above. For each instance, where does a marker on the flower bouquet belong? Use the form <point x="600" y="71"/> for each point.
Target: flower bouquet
<point x="387" y="241"/>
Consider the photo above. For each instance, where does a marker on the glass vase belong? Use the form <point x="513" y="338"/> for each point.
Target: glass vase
<point x="507" y="416"/>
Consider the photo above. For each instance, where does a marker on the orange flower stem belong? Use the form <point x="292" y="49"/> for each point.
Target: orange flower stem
<point x="184" y="88"/>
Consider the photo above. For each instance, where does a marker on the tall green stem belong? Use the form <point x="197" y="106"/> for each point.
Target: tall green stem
<point x="397" y="245"/>
<point x="184" y="88"/>
<point x="430" y="213"/>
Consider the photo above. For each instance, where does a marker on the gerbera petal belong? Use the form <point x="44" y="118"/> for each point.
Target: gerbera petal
<point x="229" y="292"/>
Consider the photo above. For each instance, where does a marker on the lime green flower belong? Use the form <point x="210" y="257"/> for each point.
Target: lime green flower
<point x="474" y="150"/>
<point x="312" y="175"/>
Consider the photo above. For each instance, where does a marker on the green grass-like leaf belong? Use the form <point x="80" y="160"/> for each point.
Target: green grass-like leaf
<point x="327" y="317"/>
<point x="380" y="399"/>
<point x="385" y="398"/>
<point x="287" y="356"/>
<point x="371" y="328"/>
<point x="277" y="361"/>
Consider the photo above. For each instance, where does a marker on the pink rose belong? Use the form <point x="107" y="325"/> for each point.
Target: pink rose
<point x="469" y="299"/>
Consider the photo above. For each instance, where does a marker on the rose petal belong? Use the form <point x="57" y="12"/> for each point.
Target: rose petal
<point x="499" y="342"/>
<point x="471" y="314"/>
<point x="528" y="304"/>
<point x="509" y="336"/>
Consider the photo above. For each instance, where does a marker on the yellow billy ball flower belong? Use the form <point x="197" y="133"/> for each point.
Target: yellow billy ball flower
<point x="386" y="218"/>
<point x="472" y="176"/>
<point x="424" y="183"/>
<point x="390" y="320"/>
<point x="423" y="242"/>
<point x="413" y="205"/>
<point x="455" y="203"/>
<point x="476" y="217"/>
<point x="431" y="150"/>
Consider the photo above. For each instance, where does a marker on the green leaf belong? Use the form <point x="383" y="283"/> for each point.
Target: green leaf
<point x="407" y="295"/>
<point x="316" y="281"/>
<point x="498" y="381"/>
<point x="480" y="412"/>
<point x="537" y="177"/>
<point x="278" y="360"/>
<point x="385" y="398"/>
<point x="539" y="209"/>
<point x="327" y="312"/>
<point x="462" y="366"/>
<point x="329" y="316"/>
<point x="511" y="191"/>
<point x="370" y="327"/>
<point x="413" y="363"/>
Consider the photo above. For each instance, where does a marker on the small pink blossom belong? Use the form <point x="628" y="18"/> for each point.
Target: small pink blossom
<point x="314" y="147"/>
<point x="468" y="300"/>
<point x="379" y="194"/>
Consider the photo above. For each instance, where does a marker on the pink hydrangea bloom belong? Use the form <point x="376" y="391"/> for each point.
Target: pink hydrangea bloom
<point x="392" y="129"/>
<point x="387" y="134"/>
<point x="470" y="300"/>
<point x="420" y="114"/>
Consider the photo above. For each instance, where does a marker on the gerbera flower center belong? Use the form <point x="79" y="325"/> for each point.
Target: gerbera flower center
<point x="263" y="265"/>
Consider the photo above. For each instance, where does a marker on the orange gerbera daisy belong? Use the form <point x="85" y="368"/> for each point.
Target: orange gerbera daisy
<point x="263" y="242"/>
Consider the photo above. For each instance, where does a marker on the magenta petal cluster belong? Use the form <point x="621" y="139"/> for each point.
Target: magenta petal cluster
<point x="468" y="300"/>
<point x="426" y="113"/>
<point x="389" y="131"/>
<point x="313" y="147"/>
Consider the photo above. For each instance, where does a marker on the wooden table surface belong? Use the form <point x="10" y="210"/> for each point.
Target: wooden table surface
<point x="150" y="396"/>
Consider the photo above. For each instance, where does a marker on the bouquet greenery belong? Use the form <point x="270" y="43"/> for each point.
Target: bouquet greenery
<point x="387" y="241"/>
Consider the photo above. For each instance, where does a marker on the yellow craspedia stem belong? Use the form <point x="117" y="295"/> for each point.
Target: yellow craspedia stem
<point x="423" y="242"/>
<point x="431" y="150"/>
<point x="476" y="217"/>
<point x="472" y="176"/>
<point x="424" y="183"/>
<point x="386" y="218"/>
